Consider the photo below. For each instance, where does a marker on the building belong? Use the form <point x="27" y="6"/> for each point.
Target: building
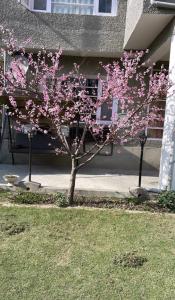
<point x="90" y="31"/>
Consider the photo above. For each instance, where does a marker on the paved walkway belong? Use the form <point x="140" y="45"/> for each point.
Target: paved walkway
<point x="91" y="180"/>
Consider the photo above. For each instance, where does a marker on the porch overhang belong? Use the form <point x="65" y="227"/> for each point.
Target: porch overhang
<point x="159" y="50"/>
<point x="144" y="22"/>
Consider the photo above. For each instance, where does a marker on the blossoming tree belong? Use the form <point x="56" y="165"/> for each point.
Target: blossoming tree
<point x="62" y="100"/>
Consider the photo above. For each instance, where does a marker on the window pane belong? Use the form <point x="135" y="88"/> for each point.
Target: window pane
<point x="160" y="104"/>
<point x="106" y="112"/>
<point x="156" y="123"/>
<point x="155" y="133"/>
<point x="72" y="9"/>
<point x="92" y="83"/>
<point x="92" y="92"/>
<point x="78" y="2"/>
<point x="40" y="4"/>
<point x="105" y="6"/>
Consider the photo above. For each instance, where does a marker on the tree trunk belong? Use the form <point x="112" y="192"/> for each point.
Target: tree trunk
<point x="70" y="194"/>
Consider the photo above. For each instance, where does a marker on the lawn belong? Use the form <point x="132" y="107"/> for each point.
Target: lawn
<point x="70" y="254"/>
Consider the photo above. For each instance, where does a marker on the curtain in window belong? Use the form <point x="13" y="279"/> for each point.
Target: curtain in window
<point x="84" y="7"/>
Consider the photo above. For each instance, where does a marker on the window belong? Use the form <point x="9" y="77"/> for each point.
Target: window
<point x="40" y="5"/>
<point x="105" y="114"/>
<point x="155" y="129"/>
<point x="23" y="64"/>
<point x="105" y="6"/>
<point x="83" y="7"/>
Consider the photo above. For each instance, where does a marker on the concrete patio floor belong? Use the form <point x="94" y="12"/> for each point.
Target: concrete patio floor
<point x="89" y="180"/>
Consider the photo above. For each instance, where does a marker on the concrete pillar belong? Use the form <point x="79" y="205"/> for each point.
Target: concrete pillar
<point x="167" y="167"/>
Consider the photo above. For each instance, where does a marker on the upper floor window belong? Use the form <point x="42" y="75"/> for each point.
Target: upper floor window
<point x="82" y="7"/>
<point x="40" y="5"/>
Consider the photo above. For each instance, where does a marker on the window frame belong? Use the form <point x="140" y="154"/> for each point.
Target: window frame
<point x="114" y="6"/>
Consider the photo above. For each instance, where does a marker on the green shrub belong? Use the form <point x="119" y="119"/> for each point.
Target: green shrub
<point x="39" y="198"/>
<point x="134" y="200"/>
<point x="33" y="198"/>
<point x="167" y="200"/>
<point x="61" y="200"/>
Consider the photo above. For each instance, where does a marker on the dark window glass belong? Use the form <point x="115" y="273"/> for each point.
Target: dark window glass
<point x="40" y="4"/>
<point x="105" y="6"/>
<point x="106" y="112"/>
<point x="155" y="133"/>
<point x="92" y="82"/>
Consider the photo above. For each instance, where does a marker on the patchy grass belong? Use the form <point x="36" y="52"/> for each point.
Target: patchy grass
<point x="165" y="202"/>
<point x="12" y="228"/>
<point x="84" y="254"/>
<point x="4" y="195"/>
<point x="130" y="260"/>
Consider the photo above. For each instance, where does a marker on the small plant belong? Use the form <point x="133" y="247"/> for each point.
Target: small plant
<point x="61" y="200"/>
<point x="33" y="198"/>
<point x="167" y="200"/>
<point x="135" y="200"/>
<point x="39" y="198"/>
<point x="13" y="228"/>
<point x="130" y="260"/>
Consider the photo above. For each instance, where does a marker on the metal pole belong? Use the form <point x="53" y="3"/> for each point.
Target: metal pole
<point x="141" y="163"/>
<point x="30" y="155"/>
<point x="77" y="134"/>
<point x="10" y="137"/>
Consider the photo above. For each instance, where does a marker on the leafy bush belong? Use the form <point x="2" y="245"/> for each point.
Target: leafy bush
<point x="39" y="198"/>
<point x="167" y="200"/>
<point x="61" y="200"/>
<point x="130" y="260"/>
<point x="33" y="198"/>
<point x="134" y="200"/>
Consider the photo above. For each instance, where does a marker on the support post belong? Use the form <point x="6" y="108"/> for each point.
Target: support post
<point x="10" y="137"/>
<point x="142" y="139"/>
<point x="167" y="168"/>
<point x="77" y="133"/>
<point x="140" y="166"/>
<point x="30" y="156"/>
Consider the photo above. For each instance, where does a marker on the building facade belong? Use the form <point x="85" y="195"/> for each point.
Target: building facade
<point x="89" y="31"/>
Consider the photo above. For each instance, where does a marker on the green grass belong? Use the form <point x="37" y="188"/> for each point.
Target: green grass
<point x="70" y="254"/>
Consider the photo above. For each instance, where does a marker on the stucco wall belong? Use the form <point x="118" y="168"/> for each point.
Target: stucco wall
<point x="144" y="22"/>
<point x="75" y="34"/>
<point x="89" y="66"/>
<point x="134" y="12"/>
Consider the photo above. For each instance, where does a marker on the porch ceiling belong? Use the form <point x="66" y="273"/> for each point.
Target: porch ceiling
<point x="160" y="48"/>
<point x="146" y="30"/>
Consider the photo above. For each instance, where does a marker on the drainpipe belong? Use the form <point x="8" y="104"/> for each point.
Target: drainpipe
<point x="163" y="4"/>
